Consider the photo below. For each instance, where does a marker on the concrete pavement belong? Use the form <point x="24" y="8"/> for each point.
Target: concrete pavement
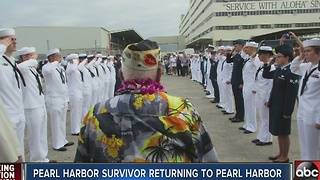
<point x="231" y="144"/>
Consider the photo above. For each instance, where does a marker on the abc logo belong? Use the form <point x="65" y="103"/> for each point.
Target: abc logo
<point x="307" y="170"/>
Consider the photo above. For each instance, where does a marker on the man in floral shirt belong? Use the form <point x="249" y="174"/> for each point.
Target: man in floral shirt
<point x="142" y="123"/>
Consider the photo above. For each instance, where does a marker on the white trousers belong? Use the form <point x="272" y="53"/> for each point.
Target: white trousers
<point x="75" y="113"/>
<point x="228" y="97"/>
<point x="111" y="88"/>
<point x="101" y="92"/>
<point x="309" y="138"/>
<point x="86" y="105"/>
<point x="95" y="94"/>
<point x="106" y="89"/>
<point x="199" y="76"/>
<point x="18" y="123"/>
<point x="57" y="109"/>
<point x="36" y="120"/>
<point x="210" y="86"/>
<point x="221" y="92"/>
<point x="250" y="112"/>
<point x="264" y="135"/>
<point x="193" y="74"/>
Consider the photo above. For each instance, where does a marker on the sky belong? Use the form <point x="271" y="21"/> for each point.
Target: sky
<point x="148" y="17"/>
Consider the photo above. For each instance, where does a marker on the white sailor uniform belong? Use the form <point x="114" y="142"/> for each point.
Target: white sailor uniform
<point x="56" y="101"/>
<point x="308" y="114"/>
<point x="112" y="79"/>
<point x="11" y="93"/>
<point x="262" y="87"/>
<point x="226" y="73"/>
<point x="75" y="94"/>
<point x="35" y="111"/>
<point x="249" y="70"/>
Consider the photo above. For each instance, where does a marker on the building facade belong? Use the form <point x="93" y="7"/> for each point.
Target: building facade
<point x="67" y="39"/>
<point x="219" y="22"/>
<point x="75" y="39"/>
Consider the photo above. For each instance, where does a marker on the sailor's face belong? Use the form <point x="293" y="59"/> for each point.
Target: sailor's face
<point x="56" y="57"/>
<point x="311" y="54"/>
<point x="13" y="46"/>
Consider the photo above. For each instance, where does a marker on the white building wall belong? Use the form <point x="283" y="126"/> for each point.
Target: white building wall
<point x="209" y="23"/>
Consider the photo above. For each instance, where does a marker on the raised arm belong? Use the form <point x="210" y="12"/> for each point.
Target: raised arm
<point x="297" y="67"/>
<point x="26" y="65"/>
<point x="49" y="67"/>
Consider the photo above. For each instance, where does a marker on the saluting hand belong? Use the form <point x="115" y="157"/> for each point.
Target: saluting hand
<point x="317" y="126"/>
<point x="5" y="41"/>
<point x="272" y="61"/>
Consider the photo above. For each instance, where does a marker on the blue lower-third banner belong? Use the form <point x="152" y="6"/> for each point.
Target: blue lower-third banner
<point x="159" y="171"/>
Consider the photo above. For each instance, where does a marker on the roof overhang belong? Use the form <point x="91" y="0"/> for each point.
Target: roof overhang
<point x="129" y="35"/>
<point x="200" y="41"/>
<point x="278" y="34"/>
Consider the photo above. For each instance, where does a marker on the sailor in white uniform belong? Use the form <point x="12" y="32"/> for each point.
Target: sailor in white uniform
<point x="209" y="87"/>
<point x="250" y="67"/>
<point x="56" y="99"/>
<point x="220" y="58"/>
<point x="94" y="78"/>
<point x="262" y="89"/>
<point x="226" y="72"/>
<point x="34" y="105"/>
<point x="86" y="85"/>
<point x="11" y="83"/>
<point x="308" y="115"/>
<point x="74" y="77"/>
<point x="101" y="78"/>
<point x="106" y="77"/>
<point x="110" y="66"/>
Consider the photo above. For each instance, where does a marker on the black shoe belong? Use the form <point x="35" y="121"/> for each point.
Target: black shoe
<point x="237" y="120"/>
<point x="60" y="149"/>
<point x="272" y="158"/>
<point x="208" y="93"/>
<point x="223" y="111"/>
<point x="242" y="128"/>
<point x="233" y="118"/>
<point x="214" y="101"/>
<point x="227" y="113"/>
<point x="263" y="143"/>
<point x="247" y="132"/>
<point x="52" y="161"/>
<point x="255" y="140"/>
<point x="77" y="134"/>
<point x="276" y="161"/>
<point x="219" y="107"/>
<point x="69" y="144"/>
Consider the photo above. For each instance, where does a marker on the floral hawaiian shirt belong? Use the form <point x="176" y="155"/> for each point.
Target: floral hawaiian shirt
<point x="143" y="127"/>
